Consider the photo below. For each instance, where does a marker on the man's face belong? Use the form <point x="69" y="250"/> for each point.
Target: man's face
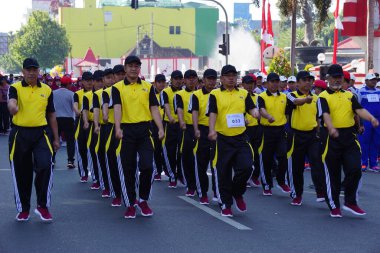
<point x="30" y="75"/>
<point x="249" y="86"/>
<point x="209" y="83"/>
<point x="283" y="85"/>
<point x="317" y="90"/>
<point x="160" y="85"/>
<point x="109" y="80"/>
<point x="229" y="80"/>
<point x="132" y="70"/>
<point x="259" y="81"/>
<point x="371" y="83"/>
<point x="304" y="84"/>
<point x="87" y="84"/>
<point x="272" y="86"/>
<point x="292" y="86"/>
<point x="119" y="76"/>
<point x="191" y="82"/>
<point x="177" y="82"/>
<point x="335" y="83"/>
<point x="98" y="84"/>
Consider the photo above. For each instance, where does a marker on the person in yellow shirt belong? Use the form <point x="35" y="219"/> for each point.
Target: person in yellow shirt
<point x="33" y="138"/>
<point x="182" y="100"/>
<point x="202" y="151"/>
<point x="226" y="108"/>
<point x="272" y="105"/>
<point x="341" y="149"/>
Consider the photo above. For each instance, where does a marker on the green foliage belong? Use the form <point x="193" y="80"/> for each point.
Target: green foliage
<point x="280" y="64"/>
<point x="308" y="66"/>
<point x="43" y="39"/>
<point x="284" y="40"/>
<point x="9" y="65"/>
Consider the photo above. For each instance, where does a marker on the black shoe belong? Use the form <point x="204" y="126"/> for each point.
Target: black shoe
<point x="70" y="165"/>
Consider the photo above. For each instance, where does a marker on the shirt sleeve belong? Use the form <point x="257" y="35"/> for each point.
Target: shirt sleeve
<point x="291" y="97"/>
<point x="355" y="103"/>
<point x="12" y="93"/>
<point x="116" y="96"/>
<point x="76" y="98"/>
<point x="50" y="106"/>
<point x="95" y="101"/>
<point x="194" y="104"/>
<point x="178" y="103"/>
<point x="249" y="105"/>
<point x="323" y="107"/>
<point x="86" y="105"/>
<point x="260" y="102"/>
<point x="164" y="98"/>
<point x="212" y="105"/>
<point x="152" y="97"/>
<point x="105" y="97"/>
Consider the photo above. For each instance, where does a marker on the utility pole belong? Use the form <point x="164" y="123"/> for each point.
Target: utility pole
<point x="151" y="36"/>
<point x="293" y="40"/>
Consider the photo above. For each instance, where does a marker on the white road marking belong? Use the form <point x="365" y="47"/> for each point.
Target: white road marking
<point x="215" y="214"/>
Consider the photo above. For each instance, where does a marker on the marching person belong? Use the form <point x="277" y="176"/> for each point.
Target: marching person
<point x="272" y="105"/>
<point x="202" y="152"/>
<point x="303" y="139"/>
<point x="226" y="108"/>
<point x="135" y="105"/>
<point x="30" y="146"/>
<point x="118" y="73"/>
<point x="182" y="100"/>
<point x="337" y="108"/>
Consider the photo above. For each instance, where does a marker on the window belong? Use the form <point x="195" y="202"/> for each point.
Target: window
<point x="171" y="29"/>
<point x="177" y="30"/>
<point x="174" y="30"/>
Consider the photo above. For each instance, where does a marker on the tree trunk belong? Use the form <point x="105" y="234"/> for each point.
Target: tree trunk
<point x="307" y="15"/>
<point x="293" y="39"/>
<point x="370" y="33"/>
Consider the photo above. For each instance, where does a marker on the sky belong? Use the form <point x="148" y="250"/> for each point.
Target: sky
<point x="13" y="11"/>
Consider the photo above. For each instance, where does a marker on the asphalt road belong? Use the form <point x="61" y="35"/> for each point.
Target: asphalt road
<point x="84" y="222"/>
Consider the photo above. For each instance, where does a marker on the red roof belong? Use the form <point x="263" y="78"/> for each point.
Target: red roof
<point x="88" y="60"/>
<point x="348" y="44"/>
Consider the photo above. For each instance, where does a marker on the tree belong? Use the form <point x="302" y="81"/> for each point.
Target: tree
<point x="43" y="39"/>
<point x="280" y="64"/>
<point x="9" y="65"/>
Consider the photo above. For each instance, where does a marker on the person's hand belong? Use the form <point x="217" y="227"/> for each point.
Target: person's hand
<point x="161" y="134"/>
<point x="271" y="119"/>
<point x="197" y="134"/>
<point x="171" y="120"/>
<point x="97" y="129"/>
<point x="56" y="145"/>
<point x="118" y="134"/>
<point x="182" y="125"/>
<point x="105" y="120"/>
<point x="309" y="99"/>
<point x="361" y="129"/>
<point x="256" y="113"/>
<point x="374" y="122"/>
<point x="333" y="132"/>
<point x="86" y="125"/>
<point x="212" y="135"/>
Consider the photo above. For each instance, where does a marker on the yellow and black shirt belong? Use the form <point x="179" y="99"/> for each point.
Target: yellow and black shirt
<point x="78" y="98"/>
<point x="88" y="98"/>
<point x="135" y="100"/>
<point x="230" y="107"/>
<point x="251" y="121"/>
<point x="107" y="99"/>
<point x="303" y="117"/>
<point x="97" y="102"/>
<point x="167" y="97"/>
<point x="33" y="102"/>
<point x="340" y="105"/>
<point x="276" y="105"/>
<point x="198" y="102"/>
<point x="182" y="100"/>
<point x="160" y="108"/>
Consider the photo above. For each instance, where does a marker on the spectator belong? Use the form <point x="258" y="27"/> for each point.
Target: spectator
<point x="4" y="113"/>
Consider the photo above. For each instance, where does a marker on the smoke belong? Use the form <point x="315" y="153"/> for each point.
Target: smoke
<point x="244" y="52"/>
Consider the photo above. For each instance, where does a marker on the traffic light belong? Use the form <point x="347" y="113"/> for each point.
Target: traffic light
<point x="135" y="4"/>
<point x="224" y="48"/>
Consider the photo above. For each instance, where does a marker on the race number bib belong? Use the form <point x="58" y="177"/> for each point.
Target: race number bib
<point x="373" y="98"/>
<point x="235" y="120"/>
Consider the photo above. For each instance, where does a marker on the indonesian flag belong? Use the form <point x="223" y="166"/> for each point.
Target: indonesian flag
<point x="263" y="38"/>
<point x="338" y="23"/>
<point x="270" y="35"/>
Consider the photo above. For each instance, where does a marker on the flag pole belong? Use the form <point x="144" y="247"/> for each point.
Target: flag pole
<point x="263" y="34"/>
<point x="336" y="15"/>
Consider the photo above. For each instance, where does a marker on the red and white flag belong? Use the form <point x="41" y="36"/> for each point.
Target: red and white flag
<point x="270" y="35"/>
<point x="263" y="37"/>
<point x="338" y="22"/>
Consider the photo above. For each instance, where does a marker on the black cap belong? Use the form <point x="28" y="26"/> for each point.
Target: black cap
<point x="247" y="79"/>
<point x="30" y="63"/>
<point x="87" y="76"/>
<point x="118" y="68"/>
<point x="176" y="73"/>
<point x="132" y="59"/>
<point x="210" y="73"/>
<point x="302" y="74"/>
<point x="98" y="75"/>
<point x="107" y="72"/>
<point x="272" y="77"/>
<point x="335" y="70"/>
<point x="190" y="73"/>
<point x="228" y="69"/>
<point x="160" y="77"/>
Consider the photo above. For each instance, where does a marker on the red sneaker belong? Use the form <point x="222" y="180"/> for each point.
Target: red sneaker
<point x="95" y="186"/>
<point x="284" y="188"/>
<point x="116" y="202"/>
<point x="145" y="209"/>
<point x="320" y="197"/>
<point x="190" y="193"/>
<point x="43" y="213"/>
<point x="157" y="177"/>
<point x="84" y="179"/>
<point x="130" y="213"/>
<point x="375" y="169"/>
<point x="204" y="200"/>
<point x="23" y="216"/>
<point x="255" y="182"/>
<point x="354" y="209"/>
<point x="267" y="192"/>
<point x="226" y="212"/>
<point x="106" y="193"/>
<point x="241" y="206"/>
<point x="336" y="213"/>
<point x="172" y="185"/>
<point x="364" y="168"/>
<point x="297" y="201"/>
